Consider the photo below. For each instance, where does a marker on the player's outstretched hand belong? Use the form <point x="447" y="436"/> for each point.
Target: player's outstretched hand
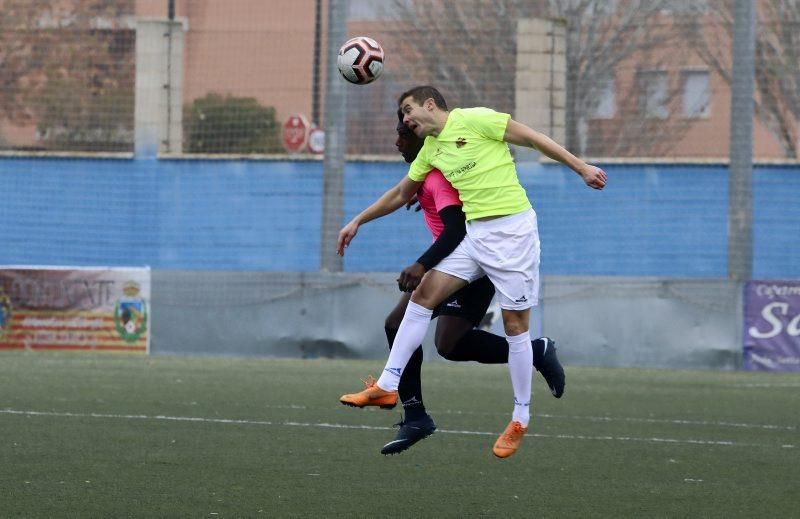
<point x="410" y="277"/>
<point x="346" y="235"/>
<point x="410" y="204"/>
<point x="594" y="176"/>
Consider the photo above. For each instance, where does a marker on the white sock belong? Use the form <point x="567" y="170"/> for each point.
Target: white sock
<point x="520" y="366"/>
<point x="410" y="334"/>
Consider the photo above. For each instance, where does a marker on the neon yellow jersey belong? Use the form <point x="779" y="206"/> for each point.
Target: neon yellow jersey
<point x="473" y="157"/>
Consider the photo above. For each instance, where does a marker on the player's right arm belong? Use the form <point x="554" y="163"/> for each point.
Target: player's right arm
<point x="455" y="229"/>
<point x="389" y="202"/>
<point x="522" y="135"/>
<point x="438" y="196"/>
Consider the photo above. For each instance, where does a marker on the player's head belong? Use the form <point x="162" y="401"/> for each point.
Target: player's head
<point x="421" y="94"/>
<point x="407" y="143"/>
<point x="423" y="108"/>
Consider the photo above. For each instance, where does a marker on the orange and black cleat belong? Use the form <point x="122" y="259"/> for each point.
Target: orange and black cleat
<point x="372" y="395"/>
<point x="508" y="442"/>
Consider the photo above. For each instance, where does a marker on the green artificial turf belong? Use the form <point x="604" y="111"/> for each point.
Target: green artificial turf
<point x="130" y="436"/>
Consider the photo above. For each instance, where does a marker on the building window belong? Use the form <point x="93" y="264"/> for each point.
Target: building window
<point x="365" y="10"/>
<point x="686" y="7"/>
<point x="604" y="104"/>
<point x="654" y="87"/>
<point x="606" y="8"/>
<point x="696" y="94"/>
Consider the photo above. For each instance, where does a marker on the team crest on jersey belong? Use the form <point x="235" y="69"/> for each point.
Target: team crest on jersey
<point x="130" y="314"/>
<point x="460" y="142"/>
<point x="5" y="313"/>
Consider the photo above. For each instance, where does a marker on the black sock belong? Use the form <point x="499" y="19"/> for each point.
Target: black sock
<point x="480" y="346"/>
<point x="538" y="351"/>
<point x="410" y="388"/>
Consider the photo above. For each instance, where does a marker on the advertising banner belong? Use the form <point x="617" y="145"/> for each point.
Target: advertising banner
<point x="53" y="308"/>
<point x="772" y="326"/>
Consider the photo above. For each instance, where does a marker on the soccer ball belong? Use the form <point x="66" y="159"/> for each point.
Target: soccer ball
<point x="360" y="60"/>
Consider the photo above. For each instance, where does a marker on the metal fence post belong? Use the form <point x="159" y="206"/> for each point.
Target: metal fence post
<point x="335" y="145"/>
<point x="740" y="178"/>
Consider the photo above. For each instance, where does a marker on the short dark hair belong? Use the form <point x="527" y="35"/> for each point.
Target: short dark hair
<point x="401" y="127"/>
<point x="421" y="93"/>
<point x="408" y="144"/>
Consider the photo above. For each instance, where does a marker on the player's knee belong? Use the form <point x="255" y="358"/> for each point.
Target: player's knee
<point x="391" y="324"/>
<point x="516" y="322"/>
<point x="445" y="347"/>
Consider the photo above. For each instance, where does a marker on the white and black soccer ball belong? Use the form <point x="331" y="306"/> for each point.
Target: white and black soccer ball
<point x="360" y="60"/>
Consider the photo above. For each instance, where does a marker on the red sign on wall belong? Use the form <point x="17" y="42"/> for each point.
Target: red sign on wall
<point x="295" y="133"/>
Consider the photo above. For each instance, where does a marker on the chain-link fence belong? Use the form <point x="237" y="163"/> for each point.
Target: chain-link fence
<point x="67" y="75"/>
<point x="624" y="78"/>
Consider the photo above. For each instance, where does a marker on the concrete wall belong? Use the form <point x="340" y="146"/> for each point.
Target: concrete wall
<point x="159" y="86"/>
<point x="643" y="322"/>
<point x="632" y="276"/>
<point x="541" y="72"/>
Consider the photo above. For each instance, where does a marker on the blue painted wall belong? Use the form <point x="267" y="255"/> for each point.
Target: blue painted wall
<point x="651" y="220"/>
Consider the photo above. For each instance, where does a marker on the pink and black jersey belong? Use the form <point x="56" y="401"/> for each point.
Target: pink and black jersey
<point x="435" y="194"/>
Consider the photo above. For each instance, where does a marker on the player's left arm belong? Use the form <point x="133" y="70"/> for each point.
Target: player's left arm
<point x="455" y="229"/>
<point x="522" y="135"/>
<point x="389" y="202"/>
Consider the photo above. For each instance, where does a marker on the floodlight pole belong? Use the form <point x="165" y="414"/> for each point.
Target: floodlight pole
<point x="740" y="173"/>
<point x="335" y="126"/>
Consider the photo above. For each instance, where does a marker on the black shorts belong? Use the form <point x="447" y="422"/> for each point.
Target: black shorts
<point x="470" y="302"/>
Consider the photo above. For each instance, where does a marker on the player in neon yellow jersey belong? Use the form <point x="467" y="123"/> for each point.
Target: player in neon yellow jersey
<point x="470" y="147"/>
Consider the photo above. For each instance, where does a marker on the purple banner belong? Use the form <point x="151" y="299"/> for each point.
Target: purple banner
<point x="772" y="326"/>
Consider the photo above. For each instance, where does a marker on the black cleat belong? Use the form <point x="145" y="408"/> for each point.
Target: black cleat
<point x="546" y="362"/>
<point x="409" y="434"/>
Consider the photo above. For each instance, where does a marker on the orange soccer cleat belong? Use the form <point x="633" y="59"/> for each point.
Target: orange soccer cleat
<point x="508" y="442"/>
<point x="371" y="395"/>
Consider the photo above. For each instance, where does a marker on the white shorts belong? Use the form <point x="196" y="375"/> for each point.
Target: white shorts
<point x="505" y="249"/>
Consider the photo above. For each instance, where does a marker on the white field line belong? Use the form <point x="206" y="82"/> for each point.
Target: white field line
<point x="675" y="422"/>
<point x="608" y="419"/>
<point x="766" y="385"/>
<point x="373" y="428"/>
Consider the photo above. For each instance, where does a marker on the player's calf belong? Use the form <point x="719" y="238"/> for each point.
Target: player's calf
<point x="546" y="362"/>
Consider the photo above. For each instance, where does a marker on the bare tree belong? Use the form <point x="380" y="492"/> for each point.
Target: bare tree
<point x="603" y="39"/>
<point x="466" y="48"/>
<point x="70" y="48"/>
<point x="469" y="47"/>
<point x="777" y="61"/>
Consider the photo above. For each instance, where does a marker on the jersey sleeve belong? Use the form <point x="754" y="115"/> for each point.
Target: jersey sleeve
<point x="420" y="168"/>
<point x="487" y="122"/>
<point x="444" y="194"/>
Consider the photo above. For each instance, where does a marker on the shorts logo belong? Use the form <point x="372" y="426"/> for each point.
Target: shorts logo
<point x="522" y="299"/>
<point x="453" y="304"/>
<point x="460" y="142"/>
<point x="411" y="402"/>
